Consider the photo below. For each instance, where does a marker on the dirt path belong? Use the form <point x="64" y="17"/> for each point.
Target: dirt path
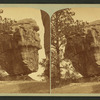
<point x="24" y="87"/>
<point x="90" y="87"/>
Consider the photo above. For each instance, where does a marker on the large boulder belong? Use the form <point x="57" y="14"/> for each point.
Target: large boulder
<point x="19" y="50"/>
<point x="84" y="51"/>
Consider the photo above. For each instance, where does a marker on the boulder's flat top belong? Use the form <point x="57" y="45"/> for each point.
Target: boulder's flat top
<point x="27" y="20"/>
<point x="88" y="87"/>
<point x="24" y="87"/>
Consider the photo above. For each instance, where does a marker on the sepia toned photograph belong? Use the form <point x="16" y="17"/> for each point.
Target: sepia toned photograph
<point x="49" y="51"/>
<point x="24" y="50"/>
<point x="75" y="50"/>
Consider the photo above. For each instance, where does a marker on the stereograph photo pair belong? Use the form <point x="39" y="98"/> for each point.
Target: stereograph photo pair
<point x="51" y="53"/>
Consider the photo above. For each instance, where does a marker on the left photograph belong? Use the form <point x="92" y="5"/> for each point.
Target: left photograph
<point x="24" y="50"/>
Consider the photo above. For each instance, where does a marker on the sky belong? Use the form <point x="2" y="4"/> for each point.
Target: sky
<point x="22" y="13"/>
<point x="87" y="14"/>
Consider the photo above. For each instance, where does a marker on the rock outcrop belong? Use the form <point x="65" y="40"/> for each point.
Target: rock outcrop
<point x="46" y="23"/>
<point x="19" y="49"/>
<point x="84" y="51"/>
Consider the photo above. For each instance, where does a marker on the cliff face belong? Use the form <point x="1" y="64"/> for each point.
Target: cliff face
<point x="46" y="23"/>
<point x="19" y="50"/>
<point x="84" y="51"/>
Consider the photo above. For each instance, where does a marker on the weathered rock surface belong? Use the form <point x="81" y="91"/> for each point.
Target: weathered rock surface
<point x="19" y="49"/>
<point x="46" y="22"/>
<point x="84" y="52"/>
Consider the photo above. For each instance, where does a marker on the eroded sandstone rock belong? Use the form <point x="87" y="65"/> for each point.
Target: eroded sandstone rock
<point x="19" y="50"/>
<point x="84" y="51"/>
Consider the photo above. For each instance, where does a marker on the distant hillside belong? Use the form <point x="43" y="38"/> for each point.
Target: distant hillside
<point x="96" y="22"/>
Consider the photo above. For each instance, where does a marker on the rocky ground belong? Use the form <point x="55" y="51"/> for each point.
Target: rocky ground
<point x="88" y="87"/>
<point x="24" y="87"/>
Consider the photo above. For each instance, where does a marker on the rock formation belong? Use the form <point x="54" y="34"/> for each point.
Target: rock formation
<point x="84" y="51"/>
<point x="46" y="23"/>
<point x="19" y="48"/>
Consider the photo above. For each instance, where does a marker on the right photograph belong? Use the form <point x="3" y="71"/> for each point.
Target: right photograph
<point x="75" y="50"/>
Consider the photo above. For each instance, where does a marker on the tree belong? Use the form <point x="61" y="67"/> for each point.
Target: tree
<point x="75" y="49"/>
<point x="77" y="28"/>
<point x="59" y="20"/>
<point x="6" y="24"/>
